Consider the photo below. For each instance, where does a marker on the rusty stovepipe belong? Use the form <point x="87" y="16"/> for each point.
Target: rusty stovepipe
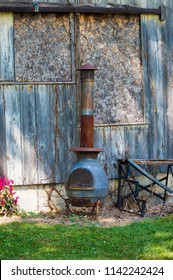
<point x="87" y="106"/>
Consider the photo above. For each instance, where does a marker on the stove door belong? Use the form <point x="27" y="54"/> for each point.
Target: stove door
<point x="80" y="179"/>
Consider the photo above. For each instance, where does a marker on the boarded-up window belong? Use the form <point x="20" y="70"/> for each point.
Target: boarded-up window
<point x="112" y="43"/>
<point x="42" y="47"/>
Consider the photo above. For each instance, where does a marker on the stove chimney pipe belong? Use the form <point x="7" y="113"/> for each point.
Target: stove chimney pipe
<point x="87" y="106"/>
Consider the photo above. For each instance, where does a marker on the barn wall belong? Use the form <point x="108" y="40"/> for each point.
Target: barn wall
<point x="39" y="123"/>
<point x="38" y="117"/>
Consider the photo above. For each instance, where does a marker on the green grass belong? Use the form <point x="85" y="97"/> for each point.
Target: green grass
<point x="149" y="239"/>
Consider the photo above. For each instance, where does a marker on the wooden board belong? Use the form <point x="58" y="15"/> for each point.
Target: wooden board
<point x="38" y="125"/>
<point x="6" y="47"/>
<point x="3" y="170"/>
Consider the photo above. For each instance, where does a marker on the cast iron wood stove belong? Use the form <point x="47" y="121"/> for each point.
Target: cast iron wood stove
<point x="87" y="183"/>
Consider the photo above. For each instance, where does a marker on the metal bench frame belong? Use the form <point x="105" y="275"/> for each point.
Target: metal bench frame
<point x="125" y="174"/>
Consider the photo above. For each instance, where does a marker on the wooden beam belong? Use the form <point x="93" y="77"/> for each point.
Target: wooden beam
<point x="153" y="161"/>
<point x="55" y="8"/>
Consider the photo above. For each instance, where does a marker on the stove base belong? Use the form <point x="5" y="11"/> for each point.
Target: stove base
<point x="85" y="203"/>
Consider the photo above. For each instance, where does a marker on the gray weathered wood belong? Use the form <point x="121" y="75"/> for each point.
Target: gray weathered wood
<point x="13" y="134"/>
<point x="28" y="134"/>
<point x="6" y="47"/>
<point x="40" y="128"/>
<point x="168" y="76"/>
<point x="3" y="170"/>
<point x="156" y="54"/>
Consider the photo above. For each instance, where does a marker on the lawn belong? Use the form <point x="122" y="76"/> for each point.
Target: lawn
<point x="149" y="239"/>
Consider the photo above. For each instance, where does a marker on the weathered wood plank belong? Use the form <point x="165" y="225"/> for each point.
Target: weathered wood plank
<point x="73" y="44"/>
<point x="13" y="133"/>
<point x="139" y="3"/>
<point x="52" y="8"/>
<point x="117" y="148"/>
<point x="111" y="139"/>
<point x="40" y="128"/>
<point x="3" y="171"/>
<point x="55" y="131"/>
<point x="62" y="133"/>
<point x="28" y="134"/>
<point x="136" y="142"/>
<point x="153" y="162"/>
<point x="45" y="123"/>
<point x="168" y="75"/>
<point x="99" y="143"/>
<point x="71" y="113"/>
<point x="6" y="47"/>
<point x="121" y="142"/>
<point x="154" y="84"/>
<point x="107" y="149"/>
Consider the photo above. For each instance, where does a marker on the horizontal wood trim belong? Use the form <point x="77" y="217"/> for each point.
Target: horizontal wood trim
<point x="153" y="161"/>
<point x="49" y="8"/>
<point x="121" y="124"/>
<point x="35" y="83"/>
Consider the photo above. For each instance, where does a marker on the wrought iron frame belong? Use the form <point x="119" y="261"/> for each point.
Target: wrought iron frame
<point x="125" y="174"/>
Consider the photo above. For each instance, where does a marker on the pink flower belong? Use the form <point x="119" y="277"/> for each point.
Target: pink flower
<point x="3" y="181"/>
<point x="10" y="182"/>
<point x="16" y="200"/>
<point x="8" y="203"/>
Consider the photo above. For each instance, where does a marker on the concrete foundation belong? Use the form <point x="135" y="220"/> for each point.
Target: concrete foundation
<point x="51" y="197"/>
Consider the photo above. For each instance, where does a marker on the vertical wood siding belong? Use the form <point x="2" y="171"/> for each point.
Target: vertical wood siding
<point x="157" y="46"/>
<point x="168" y="70"/>
<point x="119" y="142"/>
<point x="153" y="86"/>
<point x="6" y="47"/>
<point x="39" y="122"/>
<point x="2" y="137"/>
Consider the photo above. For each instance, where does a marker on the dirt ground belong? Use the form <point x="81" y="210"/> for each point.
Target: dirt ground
<point x="107" y="216"/>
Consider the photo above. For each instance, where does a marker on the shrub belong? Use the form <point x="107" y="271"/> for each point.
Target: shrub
<point x="8" y="202"/>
